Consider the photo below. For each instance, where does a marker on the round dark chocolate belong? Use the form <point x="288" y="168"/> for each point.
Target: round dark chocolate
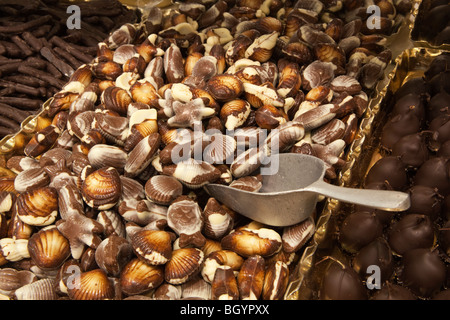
<point x="417" y="86"/>
<point x="389" y="169"/>
<point x="392" y="291"/>
<point x="425" y="200"/>
<point x="412" y="150"/>
<point x="423" y="272"/>
<point x="377" y="253"/>
<point x="442" y="295"/>
<point x="444" y="150"/>
<point x="399" y="126"/>
<point x="439" y="83"/>
<point x="412" y="231"/>
<point x="438" y="105"/>
<point x="359" y="229"/>
<point x="384" y="216"/>
<point x="411" y="102"/>
<point x="439" y="64"/>
<point x="341" y="282"/>
<point x="434" y="173"/>
<point x="440" y="127"/>
<point x="444" y="239"/>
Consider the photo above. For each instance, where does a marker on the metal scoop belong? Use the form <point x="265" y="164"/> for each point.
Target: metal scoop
<point x="289" y="196"/>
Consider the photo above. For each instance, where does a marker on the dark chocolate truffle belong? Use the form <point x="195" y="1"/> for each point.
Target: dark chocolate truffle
<point x="341" y="282"/>
<point x="434" y="173"/>
<point x="423" y="272"/>
<point x="359" y="229"/>
<point x="399" y="126"/>
<point x="438" y="105"/>
<point x="384" y="216"/>
<point x="440" y="127"/>
<point x="415" y="85"/>
<point x="412" y="150"/>
<point x="444" y="239"/>
<point x="390" y="169"/>
<point x="425" y="200"/>
<point x="444" y="150"/>
<point x="412" y="231"/>
<point x="411" y="102"/>
<point x="377" y="253"/>
<point x="392" y="291"/>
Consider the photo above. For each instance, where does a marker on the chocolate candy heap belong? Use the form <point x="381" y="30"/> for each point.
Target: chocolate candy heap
<point x="39" y="53"/>
<point x="129" y="217"/>
<point x="433" y="25"/>
<point x="410" y="248"/>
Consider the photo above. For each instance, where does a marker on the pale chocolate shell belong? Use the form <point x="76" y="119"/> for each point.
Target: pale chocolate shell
<point x="102" y="188"/>
<point x="138" y="277"/>
<point x="152" y="246"/>
<point x="38" y="207"/>
<point x="48" y="248"/>
<point x="184" y="264"/>
<point x="93" y="285"/>
<point x="163" y="189"/>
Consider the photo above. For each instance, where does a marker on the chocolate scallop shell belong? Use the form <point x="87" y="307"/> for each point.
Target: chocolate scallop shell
<point x="102" y="189"/>
<point x="225" y="87"/>
<point x="193" y="173"/>
<point x="29" y="179"/>
<point x="12" y="279"/>
<point x="43" y="289"/>
<point x="220" y="150"/>
<point x="184" y="264"/>
<point x="104" y="155"/>
<point x="48" y="248"/>
<point x="116" y="99"/>
<point x="163" y="189"/>
<point x="152" y="246"/>
<point x="138" y="277"/>
<point x="142" y="155"/>
<point x="93" y="285"/>
<point x="38" y="207"/>
<point x="248" y="242"/>
<point x="294" y="237"/>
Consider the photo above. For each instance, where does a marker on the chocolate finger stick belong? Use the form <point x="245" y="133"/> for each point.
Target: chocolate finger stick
<point x="70" y="49"/>
<point x="32" y="41"/>
<point x="9" y="123"/>
<point x="26" y="50"/>
<point x="5" y="131"/>
<point x="21" y="103"/>
<point x="68" y="57"/>
<point x="13" y="113"/>
<point x="2" y="49"/>
<point x="36" y="92"/>
<point x="26" y="80"/>
<point x="25" y="26"/>
<point x="65" y="69"/>
<point x="41" y="75"/>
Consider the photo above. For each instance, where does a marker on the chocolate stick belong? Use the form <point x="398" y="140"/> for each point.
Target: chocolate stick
<point x="70" y="49"/>
<point x="36" y="92"/>
<point x="13" y="113"/>
<point x="27" y="51"/>
<point x="21" y="103"/>
<point x="68" y="57"/>
<point x="65" y="69"/>
<point x="41" y="75"/>
<point x="32" y="41"/>
<point x="25" y="26"/>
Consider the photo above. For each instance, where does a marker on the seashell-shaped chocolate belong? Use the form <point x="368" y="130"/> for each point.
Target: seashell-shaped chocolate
<point x="196" y="288"/>
<point x="42" y="289"/>
<point x="225" y="87"/>
<point x="184" y="264"/>
<point x="112" y="223"/>
<point x="116" y="99"/>
<point x="38" y="207"/>
<point x="220" y="258"/>
<point x="247" y="183"/>
<point x="142" y="155"/>
<point x="48" y="248"/>
<point x="290" y="81"/>
<point x="265" y="94"/>
<point x="224" y="285"/>
<point x="104" y="155"/>
<point x="31" y="178"/>
<point x="318" y="73"/>
<point x="276" y="281"/>
<point x="102" y="189"/>
<point x="251" y="278"/>
<point x="248" y="242"/>
<point x="93" y="285"/>
<point x="173" y="64"/>
<point x="167" y="291"/>
<point x="184" y="216"/>
<point x="345" y="83"/>
<point x="107" y="70"/>
<point x="283" y="137"/>
<point x="143" y="212"/>
<point x="142" y="122"/>
<point x="234" y="113"/>
<point x="262" y="47"/>
<point x="138" y="277"/>
<point x="220" y="150"/>
<point x="18" y="164"/>
<point x="112" y="254"/>
<point x="113" y="128"/>
<point x="123" y="53"/>
<point x="143" y="91"/>
<point x="14" y="249"/>
<point x="329" y="132"/>
<point x="152" y="246"/>
<point x="163" y="189"/>
<point x="12" y="279"/>
<point x="247" y="162"/>
<point x="268" y="117"/>
<point x="80" y="123"/>
<point x="330" y="52"/>
<point x="294" y="237"/>
<point x="193" y="173"/>
<point x="217" y="221"/>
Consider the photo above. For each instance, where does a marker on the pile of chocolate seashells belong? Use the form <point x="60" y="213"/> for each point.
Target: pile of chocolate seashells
<point x="107" y="201"/>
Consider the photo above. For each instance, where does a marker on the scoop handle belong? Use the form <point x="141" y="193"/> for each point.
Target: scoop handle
<point x="380" y="199"/>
